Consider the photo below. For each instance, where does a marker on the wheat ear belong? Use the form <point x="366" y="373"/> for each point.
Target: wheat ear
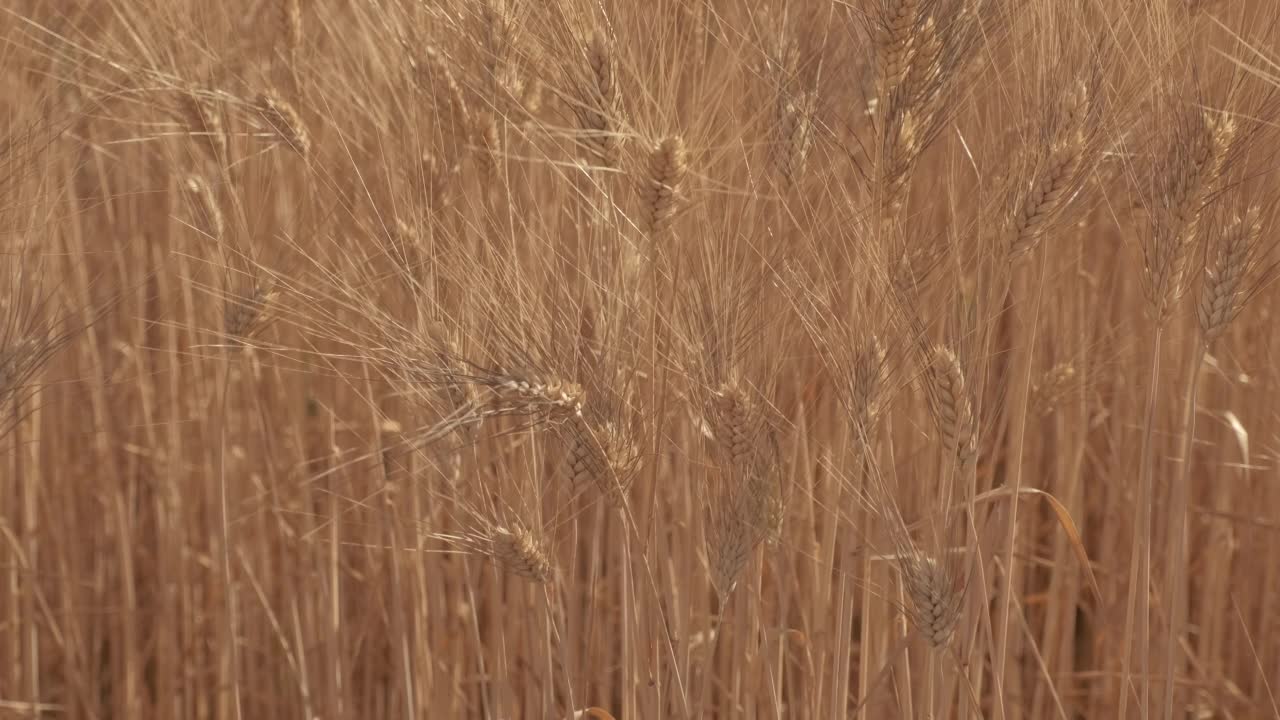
<point x="1222" y="290"/>
<point x="793" y="131"/>
<point x="661" y="190"/>
<point x="212" y="222"/>
<point x="1194" y="169"/>
<point x="521" y="553"/>
<point x="203" y="123"/>
<point x="285" y="122"/>
<point x="599" y="102"/>
<point x="951" y="405"/>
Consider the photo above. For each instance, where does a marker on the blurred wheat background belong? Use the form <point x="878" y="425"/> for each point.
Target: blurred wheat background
<point x="639" y="359"/>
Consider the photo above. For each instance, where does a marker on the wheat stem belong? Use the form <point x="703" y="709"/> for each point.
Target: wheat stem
<point x="1140" y="554"/>
<point x="1176" y="550"/>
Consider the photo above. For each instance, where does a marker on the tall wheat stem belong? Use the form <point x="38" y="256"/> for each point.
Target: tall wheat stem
<point x="1140" y="557"/>
<point x="1176" y="549"/>
<point x="709" y="666"/>
<point x="224" y="504"/>
<point x="1022" y="389"/>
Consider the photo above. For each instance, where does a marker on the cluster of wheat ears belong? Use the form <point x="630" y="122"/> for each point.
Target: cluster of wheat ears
<point x="639" y="359"/>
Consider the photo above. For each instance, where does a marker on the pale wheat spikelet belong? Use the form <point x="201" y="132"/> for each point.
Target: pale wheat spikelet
<point x="950" y="403"/>
<point x="934" y="596"/>
<point x="1222" y="290"/>
<point x="209" y="216"/>
<point x="661" y="189"/>
<point x="203" y="123"/>
<point x="1191" y="172"/>
<point x="599" y="104"/>
<point x="793" y="134"/>
<point x="521" y="553"/>
<point x="285" y="122"/>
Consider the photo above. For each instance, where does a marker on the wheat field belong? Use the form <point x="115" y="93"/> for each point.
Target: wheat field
<point x="630" y="359"/>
